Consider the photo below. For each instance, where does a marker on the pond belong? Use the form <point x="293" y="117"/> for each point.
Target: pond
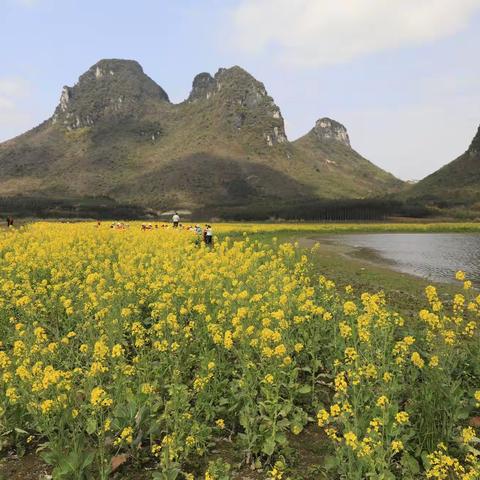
<point x="435" y="256"/>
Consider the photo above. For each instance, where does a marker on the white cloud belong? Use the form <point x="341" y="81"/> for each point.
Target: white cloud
<point x="15" y="112"/>
<point x="319" y="32"/>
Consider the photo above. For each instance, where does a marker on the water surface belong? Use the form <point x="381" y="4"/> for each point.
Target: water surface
<point x="435" y="256"/>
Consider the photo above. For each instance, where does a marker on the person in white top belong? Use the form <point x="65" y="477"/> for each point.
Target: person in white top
<point x="175" y="220"/>
<point x="209" y="235"/>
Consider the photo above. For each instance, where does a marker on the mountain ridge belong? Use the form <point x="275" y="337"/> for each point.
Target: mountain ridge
<point x="455" y="184"/>
<point x="116" y="134"/>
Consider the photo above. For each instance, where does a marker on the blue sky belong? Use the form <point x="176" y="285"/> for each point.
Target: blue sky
<point x="404" y="80"/>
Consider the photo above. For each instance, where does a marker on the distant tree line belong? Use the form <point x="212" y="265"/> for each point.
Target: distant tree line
<point x="313" y="210"/>
<point x="322" y="211"/>
<point x="89" y="207"/>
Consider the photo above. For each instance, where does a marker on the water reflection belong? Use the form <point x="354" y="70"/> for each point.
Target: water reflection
<point x="436" y="256"/>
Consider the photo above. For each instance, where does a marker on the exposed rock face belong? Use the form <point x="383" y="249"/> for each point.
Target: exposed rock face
<point x="203" y="86"/>
<point x="328" y="129"/>
<point x="118" y="87"/>
<point x="64" y="99"/>
<point x="244" y="101"/>
<point x="247" y="103"/>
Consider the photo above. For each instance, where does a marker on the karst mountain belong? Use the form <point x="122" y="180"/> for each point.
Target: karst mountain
<point x="116" y="136"/>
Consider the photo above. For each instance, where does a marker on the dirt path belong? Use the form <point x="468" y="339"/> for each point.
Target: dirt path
<point x="28" y="467"/>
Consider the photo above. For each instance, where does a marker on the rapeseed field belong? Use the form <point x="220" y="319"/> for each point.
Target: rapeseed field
<point x="153" y="347"/>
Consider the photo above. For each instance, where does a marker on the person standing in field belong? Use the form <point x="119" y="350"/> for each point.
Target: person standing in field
<point x="198" y="234"/>
<point x="209" y="235"/>
<point x="175" y="220"/>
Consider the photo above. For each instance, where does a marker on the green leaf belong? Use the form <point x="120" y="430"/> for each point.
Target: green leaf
<point x="66" y="466"/>
<point x="285" y="410"/>
<point x="171" y="473"/>
<point x="386" y="476"/>
<point x="462" y="413"/>
<point x="91" y="425"/>
<point x="268" y="446"/>
<point x="330" y="462"/>
<point x="20" y="449"/>
<point x="87" y="461"/>
<point x="283" y="423"/>
<point x="410" y="464"/>
<point x="305" y="389"/>
<point x="48" y="456"/>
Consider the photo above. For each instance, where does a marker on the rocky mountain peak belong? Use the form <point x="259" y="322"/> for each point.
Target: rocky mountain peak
<point x="252" y="106"/>
<point x="234" y="79"/>
<point x="202" y="87"/>
<point x="243" y="100"/>
<point x="111" y="86"/>
<point x="328" y="129"/>
<point x="475" y="145"/>
<point x="240" y="81"/>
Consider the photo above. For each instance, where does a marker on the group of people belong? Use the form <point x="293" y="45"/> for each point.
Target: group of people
<point x="117" y="225"/>
<point x="205" y="234"/>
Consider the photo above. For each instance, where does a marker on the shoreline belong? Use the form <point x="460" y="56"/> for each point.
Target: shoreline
<point x="404" y="292"/>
